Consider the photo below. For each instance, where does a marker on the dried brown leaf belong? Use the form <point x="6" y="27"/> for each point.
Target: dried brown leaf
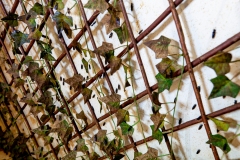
<point x="111" y="22"/>
<point x="157" y="120"/>
<point x="115" y="64"/>
<point x="159" y="46"/>
<point x="75" y="82"/>
<point x="111" y="100"/>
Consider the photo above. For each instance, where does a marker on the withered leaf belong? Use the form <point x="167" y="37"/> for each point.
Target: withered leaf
<point x="159" y="46"/>
<point x="70" y="156"/>
<point x="81" y="146"/>
<point x="104" y="49"/>
<point x="115" y="64"/>
<point x="167" y="67"/>
<point x="111" y="22"/>
<point x="28" y="99"/>
<point x="112" y="100"/>
<point x="46" y="98"/>
<point x="100" y="5"/>
<point x="152" y="153"/>
<point x="87" y="93"/>
<point x="122" y="115"/>
<point x="14" y="70"/>
<point x="82" y="116"/>
<point x="35" y="109"/>
<point x="157" y="120"/>
<point x="75" y="82"/>
<point x="155" y="99"/>
<point x="99" y="137"/>
<point x="42" y="130"/>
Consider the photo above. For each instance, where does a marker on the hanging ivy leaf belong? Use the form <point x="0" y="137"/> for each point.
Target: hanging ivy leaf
<point x="111" y="100"/>
<point x="158" y="135"/>
<point x="35" y="109"/>
<point x="219" y="141"/>
<point x="152" y="153"/>
<point x="44" y="117"/>
<point x="115" y="64"/>
<point x="221" y="125"/>
<point x="75" y="82"/>
<point x="82" y="116"/>
<point x="111" y="22"/>
<point x="155" y="99"/>
<point x="46" y="51"/>
<point x="63" y="23"/>
<point x="85" y="64"/>
<point x="35" y="35"/>
<point x="163" y="83"/>
<point x="137" y="154"/>
<point x="57" y="4"/>
<point x="42" y="130"/>
<point x="220" y="63"/>
<point x="167" y="67"/>
<point x="81" y="146"/>
<point x="160" y="46"/>
<point x="126" y="129"/>
<point x="122" y="33"/>
<point x="100" y="5"/>
<point x="105" y="49"/>
<point x="100" y="136"/>
<point x="46" y="98"/>
<point x="19" y="38"/>
<point x="14" y="70"/>
<point x="223" y="87"/>
<point x="87" y="93"/>
<point x="37" y="8"/>
<point x="70" y="156"/>
<point x="122" y="116"/>
<point x="19" y="82"/>
<point x="11" y="19"/>
<point x="27" y="60"/>
<point x="157" y="120"/>
<point x="28" y="99"/>
<point x="31" y="23"/>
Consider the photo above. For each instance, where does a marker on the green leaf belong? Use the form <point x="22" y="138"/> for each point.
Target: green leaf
<point x="167" y="67"/>
<point x="122" y="33"/>
<point x="157" y="134"/>
<point x="85" y="64"/>
<point x="160" y="46"/>
<point x="19" y="38"/>
<point x="126" y="129"/>
<point x="221" y="125"/>
<point x="11" y="19"/>
<point x="223" y="87"/>
<point x="35" y="35"/>
<point x="220" y="63"/>
<point x="122" y="116"/>
<point x="100" y="5"/>
<point x="219" y="141"/>
<point x="63" y="23"/>
<point x="27" y="60"/>
<point x="48" y="140"/>
<point x="37" y="8"/>
<point x="163" y="83"/>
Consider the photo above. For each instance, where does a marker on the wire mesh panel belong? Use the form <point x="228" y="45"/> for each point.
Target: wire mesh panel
<point x="118" y="79"/>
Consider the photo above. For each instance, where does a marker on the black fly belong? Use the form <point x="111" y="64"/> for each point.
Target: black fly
<point x="180" y="121"/>
<point x="131" y="6"/>
<point x="140" y="31"/>
<point x="111" y="34"/>
<point x="194" y="106"/>
<point x="198" y="151"/>
<point x="213" y="33"/>
<point x="200" y="127"/>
